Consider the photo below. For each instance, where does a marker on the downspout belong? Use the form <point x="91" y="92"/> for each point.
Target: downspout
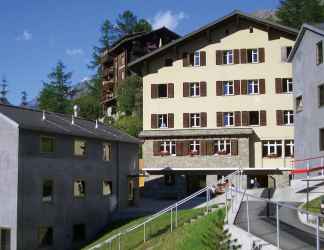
<point x="118" y="176"/>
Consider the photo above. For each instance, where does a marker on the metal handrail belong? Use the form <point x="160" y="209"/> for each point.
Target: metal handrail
<point x="306" y="159"/>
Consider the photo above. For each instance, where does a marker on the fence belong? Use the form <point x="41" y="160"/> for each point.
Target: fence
<point x="168" y="218"/>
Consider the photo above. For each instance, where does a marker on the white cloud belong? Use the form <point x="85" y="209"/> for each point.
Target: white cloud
<point x="74" y="52"/>
<point x="168" y="19"/>
<point x="25" y="36"/>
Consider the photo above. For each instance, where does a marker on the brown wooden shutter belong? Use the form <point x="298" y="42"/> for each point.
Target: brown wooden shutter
<point x="261" y="55"/>
<point x="191" y="59"/>
<point x="280" y="117"/>
<point x="243" y="87"/>
<point x="219" y="88"/>
<point x="156" y="148"/>
<point x="203" y="117"/>
<point x="202" y="58"/>
<point x="263" y="118"/>
<point x="237" y="118"/>
<point x="186" y="120"/>
<point x="179" y="148"/>
<point x="236" y="56"/>
<point x="203" y="89"/>
<point x="154" y="91"/>
<point x="219" y="57"/>
<point x="234" y="146"/>
<point x="243" y="56"/>
<point x="203" y="147"/>
<point x="245" y="118"/>
<point x="185" y="89"/>
<point x="185" y="59"/>
<point x="170" y="90"/>
<point x="237" y="87"/>
<point x="220" y="118"/>
<point x="262" y="86"/>
<point x="279" y="85"/>
<point x="210" y="147"/>
<point x="185" y="148"/>
<point x="154" y="122"/>
<point x="170" y="120"/>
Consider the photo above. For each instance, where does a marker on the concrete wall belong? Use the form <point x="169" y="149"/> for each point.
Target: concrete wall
<point x="9" y="177"/>
<point x="95" y="210"/>
<point x="308" y="76"/>
<point x="272" y="68"/>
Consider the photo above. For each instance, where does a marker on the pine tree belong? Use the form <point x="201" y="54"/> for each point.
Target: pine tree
<point x="24" y="102"/>
<point x="294" y="13"/>
<point x="55" y="95"/>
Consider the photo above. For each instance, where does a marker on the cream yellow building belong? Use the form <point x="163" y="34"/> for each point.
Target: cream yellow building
<point x="219" y="99"/>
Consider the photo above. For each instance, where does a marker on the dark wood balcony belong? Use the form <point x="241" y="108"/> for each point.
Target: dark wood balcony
<point x="107" y="93"/>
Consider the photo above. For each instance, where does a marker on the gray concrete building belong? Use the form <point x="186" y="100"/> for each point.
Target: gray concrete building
<point x="61" y="178"/>
<point x="308" y="73"/>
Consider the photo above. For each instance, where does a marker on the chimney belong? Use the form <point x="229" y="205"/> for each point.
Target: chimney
<point x="76" y="110"/>
<point x="96" y="126"/>
<point x="44" y="116"/>
<point x="72" y="122"/>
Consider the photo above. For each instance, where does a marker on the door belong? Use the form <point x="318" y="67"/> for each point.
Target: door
<point x="195" y="183"/>
<point x="4" y="239"/>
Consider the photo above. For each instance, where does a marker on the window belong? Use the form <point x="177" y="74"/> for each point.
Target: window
<point x="319" y="53"/>
<point x="228" y="88"/>
<point x="254" y="118"/>
<point x="5" y="238"/>
<point x="251" y="29"/>
<point x="299" y="104"/>
<point x="106" y="151"/>
<point x="47" y="191"/>
<point x="272" y="148"/>
<point x="106" y="188"/>
<point x="287" y="85"/>
<point x="79" y="189"/>
<point x="131" y="190"/>
<point x="288" y="117"/>
<point x="168" y="148"/>
<point x="169" y="179"/>
<point x="162" y="90"/>
<point x="252" y="56"/>
<point x="163" y="121"/>
<point x="168" y="62"/>
<point x="197" y="58"/>
<point x="321" y="132"/>
<point x="289" y="148"/>
<point x="253" y="87"/>
<point x="222" y="147"/>
<point x="194" y="147"/>
<point x="45" y="236"/>
<point x="228" y="119"/>
<point x="194" y="89"/>
<point x="321" y="95"/>
<point x="80" y="147"/>
<point x="285" y="52"/>
<point x="79" y="232"/>
<point x="195" y="120"/>
<point x="228" y="57"/>
<point x="47" y="144"/>
<point x="288" y="50"/>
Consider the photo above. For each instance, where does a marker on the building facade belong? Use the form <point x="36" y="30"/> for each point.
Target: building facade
<point x="62" y="180"/>
<point x="115" y="60"/>
<point x="308" y="71"/>
<point x="217" y="100"/>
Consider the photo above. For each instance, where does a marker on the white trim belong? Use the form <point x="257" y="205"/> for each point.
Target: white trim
<point x="217" y="169"/>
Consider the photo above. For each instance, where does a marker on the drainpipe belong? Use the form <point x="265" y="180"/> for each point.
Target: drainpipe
<point x="118" y="175"/>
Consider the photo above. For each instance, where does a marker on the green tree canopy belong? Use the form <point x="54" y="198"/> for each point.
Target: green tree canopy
<point x="294" y="13"/>
<point x="55" y="95"/>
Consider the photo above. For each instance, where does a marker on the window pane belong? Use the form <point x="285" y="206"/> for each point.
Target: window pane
<point x="322" y="139"/>
<point x="106" y="150"/>
<point x="45" y="236"/>
<point x="321" y="95"/>
<point x="47" y="144"/>
<point x="106" y="187"/>
<point x="162" y="90"/>
<point x="79" y="148"/>
<point x="79" y="188"/>
<point x="47" y="191"/>
<point x="254" y="118"/>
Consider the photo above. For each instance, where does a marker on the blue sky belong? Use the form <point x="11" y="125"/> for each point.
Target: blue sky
<point x="38" y="33"/>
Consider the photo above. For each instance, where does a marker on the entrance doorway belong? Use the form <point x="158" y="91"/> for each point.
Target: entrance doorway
<point x="195" y="183"/>
<point x="4" y="239"/>
<point x="257" y="181"/>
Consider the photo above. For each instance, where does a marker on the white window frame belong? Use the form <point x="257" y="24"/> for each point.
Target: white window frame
<point x="255" y="85"/>
<point x="275" y="146"/>
<point x="168" y="147"/>
<point x="228" y="85"/>
<point x="196" y="120"/>
<point x="229" y="57"/>
<point x="196" y="59"/>
<point x="221" y="146"/>
<point x="289" y="83"/>
<point x="195" y="86"/>
<point x="291" y="146"/>
<point x="288" y="115"/>
<point x="161" y="118"/>
<point x="230" y="117"/>
<point x="255" y="52"/>
<point x="194" y="146"/>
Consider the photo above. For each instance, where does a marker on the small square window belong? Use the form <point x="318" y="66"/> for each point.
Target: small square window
<point x="80" y="147"/>
<point x="106" y="151"/>
<point x="47" y="144"/>
<point x="79" y="189"/>
<point x="79" y="232"/>
<point x="47" y="191"/>
<point x="168" y="62"/>
<point x="321" y="95"/>
<point x="321" y="132"/>
<point x="319" y="53"/>
<point x="106" y="188"/>
<point x="45" y="236"/>
<point x="299" y="104"/>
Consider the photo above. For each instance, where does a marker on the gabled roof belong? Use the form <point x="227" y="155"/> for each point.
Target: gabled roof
<point x="318" y="29"/>
<point x="261" y="21"/>
<point x="55" y="123"/>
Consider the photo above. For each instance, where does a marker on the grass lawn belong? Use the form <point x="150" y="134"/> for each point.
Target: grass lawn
<point x="154" y="230"/>
<point x="313" y="205"/>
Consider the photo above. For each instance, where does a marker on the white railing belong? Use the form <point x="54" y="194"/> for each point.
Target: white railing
<point x="173" y="210"/>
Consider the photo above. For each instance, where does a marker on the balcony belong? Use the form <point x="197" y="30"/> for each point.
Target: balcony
<point x="106" y="58"/>
<point x="108" y="89"/>
<point x="108" y="72"/>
